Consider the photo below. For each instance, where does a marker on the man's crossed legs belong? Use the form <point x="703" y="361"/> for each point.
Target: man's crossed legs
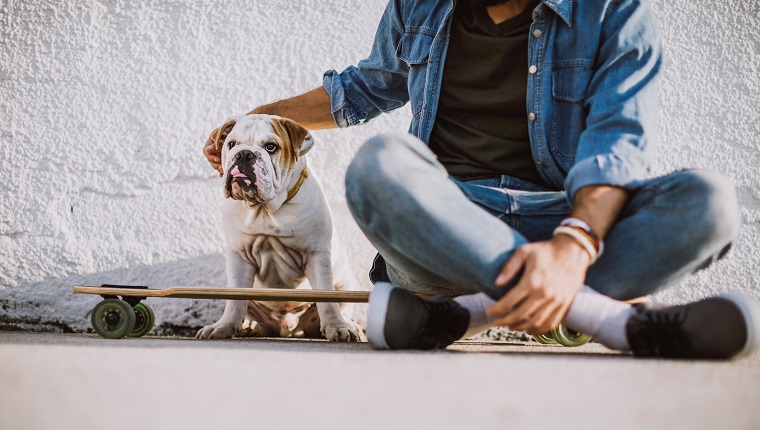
<point x="443" y="237"/>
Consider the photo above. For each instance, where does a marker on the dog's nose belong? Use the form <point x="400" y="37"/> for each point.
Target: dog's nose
<point x="246" y="156"/>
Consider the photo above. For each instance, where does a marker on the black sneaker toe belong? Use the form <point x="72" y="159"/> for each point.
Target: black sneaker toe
<point x="399" y="319"/>
<point x="713" y="328"/>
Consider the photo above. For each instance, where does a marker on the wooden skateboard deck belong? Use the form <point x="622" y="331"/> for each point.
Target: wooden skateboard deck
<point x="229" y="294"/>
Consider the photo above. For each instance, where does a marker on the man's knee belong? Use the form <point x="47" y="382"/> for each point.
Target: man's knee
<point x="714" y="205"/>
<point x="381" y="168"/>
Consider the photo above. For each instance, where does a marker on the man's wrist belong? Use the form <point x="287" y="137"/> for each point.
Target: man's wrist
<point x="567" y="244"/>
<point x="583" y="225"/>
<point x="582" y="233"/>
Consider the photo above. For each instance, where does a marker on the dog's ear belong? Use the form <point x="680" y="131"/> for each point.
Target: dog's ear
<point x="300" y="138"/>
<point x="219" y="135"/>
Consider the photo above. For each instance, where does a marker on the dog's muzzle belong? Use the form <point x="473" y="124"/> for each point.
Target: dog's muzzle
<point x="241" y="176"/>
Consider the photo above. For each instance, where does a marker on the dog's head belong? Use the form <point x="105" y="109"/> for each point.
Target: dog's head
<point x="259" y="155"/>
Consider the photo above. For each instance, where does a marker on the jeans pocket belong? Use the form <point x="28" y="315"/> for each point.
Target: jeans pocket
<point x="539" y="203"/>
<point x="492" y="199"/>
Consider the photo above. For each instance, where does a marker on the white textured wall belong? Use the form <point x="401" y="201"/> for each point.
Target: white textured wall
<point x="104" y="106"/>
<point x="710" y="118"/>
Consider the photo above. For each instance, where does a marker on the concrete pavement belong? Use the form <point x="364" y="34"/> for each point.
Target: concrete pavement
<point x="80" y="381"/>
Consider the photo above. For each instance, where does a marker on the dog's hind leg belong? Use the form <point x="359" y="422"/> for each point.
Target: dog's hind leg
<point x="309" y="324"/>
<point x="261" y="323"/>
<point x="319" y="272"/>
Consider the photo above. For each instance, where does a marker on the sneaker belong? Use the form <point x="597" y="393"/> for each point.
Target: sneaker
<point x="399" y="319"/>
<point x="726" y="326"/>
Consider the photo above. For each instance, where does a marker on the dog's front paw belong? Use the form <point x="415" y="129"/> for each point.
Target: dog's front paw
<point x="219" y="330"/>
<point x="340" y="331"/>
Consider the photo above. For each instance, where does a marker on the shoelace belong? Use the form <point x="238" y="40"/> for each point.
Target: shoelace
<point x="663" y="332"/>
<point x="435" y="332"/>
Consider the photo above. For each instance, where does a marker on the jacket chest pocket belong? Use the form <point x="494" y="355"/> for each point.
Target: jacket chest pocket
<point x="569" y="87"/>
<point x="569" y="84"/>
<point x="414" y="50"/>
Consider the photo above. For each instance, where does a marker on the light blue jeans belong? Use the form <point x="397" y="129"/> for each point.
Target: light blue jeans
<point x="440" y="236"/>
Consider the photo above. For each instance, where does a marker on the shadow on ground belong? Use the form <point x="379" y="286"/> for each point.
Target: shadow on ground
<point x="304" y="346"/>
<point x="51" y="306"/>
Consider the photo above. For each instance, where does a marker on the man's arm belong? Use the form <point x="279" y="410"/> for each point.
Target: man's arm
<point x="613" y="155"/>
<point x="311" y="109"/>
<point x="599" y="206"/>
<point x="554" y="270"/>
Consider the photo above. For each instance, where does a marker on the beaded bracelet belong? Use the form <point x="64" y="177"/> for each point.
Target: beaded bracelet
<point x="583" y="234"/>
<point x="581" y="237"/>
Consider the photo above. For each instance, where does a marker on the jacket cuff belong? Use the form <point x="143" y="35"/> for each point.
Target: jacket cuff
<point x="605" y="169"/>
<point x="343" y="113"/>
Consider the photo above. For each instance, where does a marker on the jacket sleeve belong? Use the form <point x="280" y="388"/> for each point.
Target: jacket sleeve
<point x="376" y="84"/>
<point x="618" y="145"/>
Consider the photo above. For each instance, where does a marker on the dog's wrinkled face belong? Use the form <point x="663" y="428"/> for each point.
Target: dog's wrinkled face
<point x="258" y="154"/>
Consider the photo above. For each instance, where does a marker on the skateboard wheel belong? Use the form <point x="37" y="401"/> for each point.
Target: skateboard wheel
<point x="144" y="320"/>
<point x="545" y="339"/>
<point x="113" y="318"/>
<point x="569" y="337"/>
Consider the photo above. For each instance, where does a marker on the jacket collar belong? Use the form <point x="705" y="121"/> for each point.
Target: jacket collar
<point x="563" y="8"/>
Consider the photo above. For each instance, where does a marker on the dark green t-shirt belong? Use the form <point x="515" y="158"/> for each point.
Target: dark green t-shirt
<point x="481" y="126"/>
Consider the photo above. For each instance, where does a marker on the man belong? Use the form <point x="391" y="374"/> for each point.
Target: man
<point x="523" y="185"/>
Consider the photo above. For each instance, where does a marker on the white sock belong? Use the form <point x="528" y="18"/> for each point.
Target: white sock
<point x="600" y="316"/>
<point x="476" y="304"/>
<point x="592" y="313"/>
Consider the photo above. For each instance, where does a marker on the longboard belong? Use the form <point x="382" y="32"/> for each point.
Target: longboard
<point x="229" y="294"/>
<point x="121" y="314"/>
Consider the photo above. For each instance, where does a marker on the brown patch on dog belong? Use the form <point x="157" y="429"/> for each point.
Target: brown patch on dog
<point x="293" y="135"/>
<point x="219" y="135"/>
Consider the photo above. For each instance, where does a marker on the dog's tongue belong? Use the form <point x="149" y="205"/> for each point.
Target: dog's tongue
<point x="236" y="173"/>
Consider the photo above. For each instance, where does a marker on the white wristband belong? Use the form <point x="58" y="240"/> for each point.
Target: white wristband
<point x="576" y="222"/>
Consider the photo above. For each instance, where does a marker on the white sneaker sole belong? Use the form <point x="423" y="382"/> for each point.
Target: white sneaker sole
<point x="751" y="312"/>
<point x="378" y="309"/>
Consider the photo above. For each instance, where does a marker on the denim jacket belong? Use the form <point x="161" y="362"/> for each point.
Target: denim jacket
<point x="592" y="91"/>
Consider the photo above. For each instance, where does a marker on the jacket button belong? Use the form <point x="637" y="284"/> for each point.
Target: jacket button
<point x="532" y="116"/>
<point x="537" y="33"/>
<point x="533" y="69"/>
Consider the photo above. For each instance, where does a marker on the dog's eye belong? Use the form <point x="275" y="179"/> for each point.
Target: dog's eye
<point x="232" y="143"/>
<point x="271" y="147"/>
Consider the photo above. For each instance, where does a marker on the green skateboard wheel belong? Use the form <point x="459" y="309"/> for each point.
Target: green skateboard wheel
<point x="144" y="320"/>
<point x="113" y="318"/>
<point x="568" y="337"/>
<point x="545" y="339"/>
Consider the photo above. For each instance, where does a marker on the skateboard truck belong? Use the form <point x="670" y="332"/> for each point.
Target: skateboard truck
<point x="132" y="300"/>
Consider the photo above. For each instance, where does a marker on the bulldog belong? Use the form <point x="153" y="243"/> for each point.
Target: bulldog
<point x="278" y="233"/>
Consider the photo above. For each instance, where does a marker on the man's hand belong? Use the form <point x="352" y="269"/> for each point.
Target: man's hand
<point x="213" y="155"/>
<point x="552" y="273"/>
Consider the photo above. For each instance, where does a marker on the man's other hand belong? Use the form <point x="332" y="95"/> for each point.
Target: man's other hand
<point x="552" y="273"/>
